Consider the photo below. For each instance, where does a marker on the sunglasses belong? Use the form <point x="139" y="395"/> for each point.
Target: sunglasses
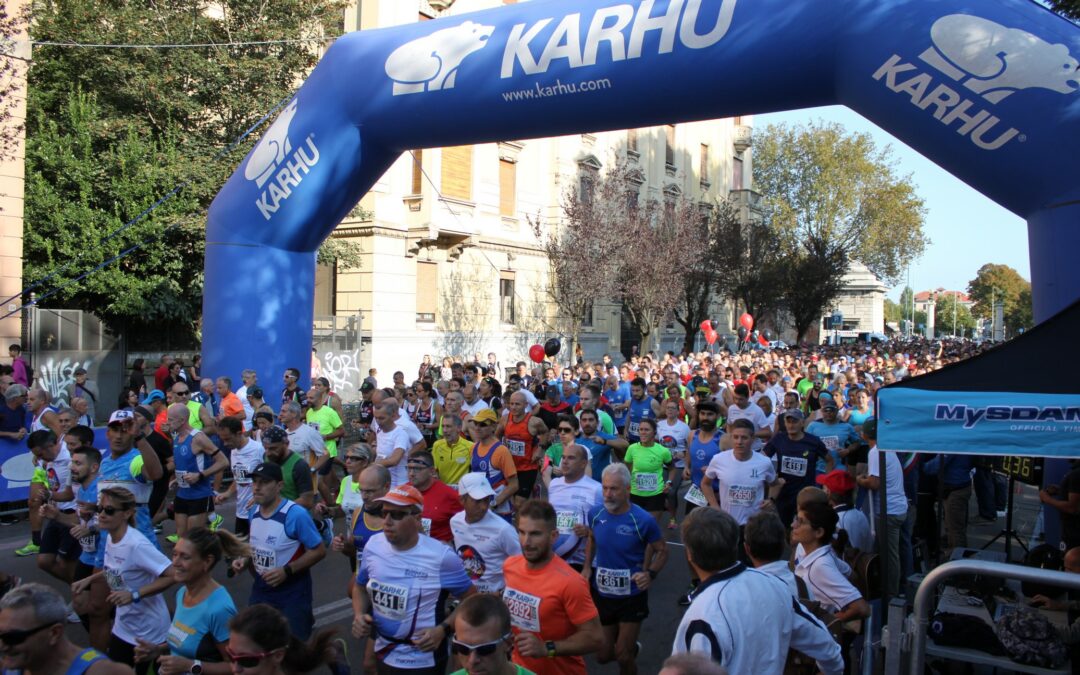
<point x="396" y="515"/>
<point x="14" y="638"/>
<point x="565" y="430"/>
<point x="485" y="649"/>
<point x="355" y="458"/>
<point x="417" y="467"/>
<point x="181" y="393"/>
<point x="246" y="660"/>
<point x="112" y="510"/>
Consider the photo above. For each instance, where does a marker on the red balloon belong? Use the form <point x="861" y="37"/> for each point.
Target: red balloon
<point x="536" y="353"/>
<point x="746" y="321"/>
<point x="710" y="336"/>
<point x="705" y="326"/>
<point x="763" y="341"/>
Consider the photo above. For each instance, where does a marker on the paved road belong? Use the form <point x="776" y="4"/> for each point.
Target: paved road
<point x="333" y="608"/>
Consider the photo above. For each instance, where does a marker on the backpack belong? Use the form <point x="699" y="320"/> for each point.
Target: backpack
<point x="1029" y="638"/>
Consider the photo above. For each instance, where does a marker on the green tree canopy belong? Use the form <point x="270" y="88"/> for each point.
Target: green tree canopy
<point x="1001" y="283"/>
<point x="952" y="317"/>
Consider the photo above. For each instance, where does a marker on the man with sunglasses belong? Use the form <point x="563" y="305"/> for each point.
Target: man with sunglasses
<point x="285" y="544"/>
<point x="482" y="640"/>
<point x="401" y="586"/>
<point x="293" y="393"/>
<point x="132" y="464"/>
<point x="198" y="415"/>
<point x="32" y="638"/>
<point x="441" y="502"/>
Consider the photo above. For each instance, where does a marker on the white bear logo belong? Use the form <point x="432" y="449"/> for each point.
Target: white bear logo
<point x="998" y="61"/>
<point x="272" y="148"/>
<point x="431" y="63"/>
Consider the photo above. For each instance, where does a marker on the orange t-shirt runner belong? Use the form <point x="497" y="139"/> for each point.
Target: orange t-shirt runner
<point x="521" y="443"/>
<point x="551" y="602"/>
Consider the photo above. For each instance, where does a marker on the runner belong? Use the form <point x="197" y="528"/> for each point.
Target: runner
<point x="484" y="540"/>
<point x="295" y="471"/>
<point x="521" y="433"/>
<point x="131" y="464"/>
<point x="491" y="458"/>
<point x="452" y="452"/>
<point x="194" y="474"/>
<point x="441" y="502"/>
<point x="554" y="619"/>
<point x="573" y="495"/>
<point x="401" y="586"/>
<point x="245" y="455"/>
<point x="674" y="434"/>
<point x="624" y="557"/>
<point x="58" y="551"/>
<point x="640" y="407"/>
<point x="796" y="454"/>
<point x="483" y="639"/>
<point x="603" y="448"/>
<point x="704" y="445"/>
<point x="649" y="463"/>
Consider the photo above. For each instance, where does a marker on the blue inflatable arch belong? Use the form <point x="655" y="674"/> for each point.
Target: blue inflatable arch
<point x="986" y="90"/>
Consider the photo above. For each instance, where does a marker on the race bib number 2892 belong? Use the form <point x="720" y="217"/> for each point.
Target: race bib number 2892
<point x="524" y="609"/>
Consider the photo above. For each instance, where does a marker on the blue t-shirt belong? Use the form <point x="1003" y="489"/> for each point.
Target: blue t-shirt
<point x="700" y="455"/>
<point x="196" y="631"/>
<point x="601" y="454"/>
<point x="620" y="543"/>
<point x="618" y="397"/>
<point x="278" y="540"/>
<point x="835" y="437"/>
<point x="93" y="553"/>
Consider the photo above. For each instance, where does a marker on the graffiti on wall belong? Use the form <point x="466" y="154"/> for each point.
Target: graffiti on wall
<point x="343" y="370"/>
<point x="55" y="375"/>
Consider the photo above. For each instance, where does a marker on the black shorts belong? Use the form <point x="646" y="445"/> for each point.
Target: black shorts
<point x="193" y="507"/>
<point x="651" y="504"/>
<point x="242" y="528"/>
<point x="526" y="483"/>
<point x="631" y="609"/>
<point x="688" y="507"/>
<point x="327" y="467"/>
<point x="56" y="539"/>
<point x="82" y="570"/>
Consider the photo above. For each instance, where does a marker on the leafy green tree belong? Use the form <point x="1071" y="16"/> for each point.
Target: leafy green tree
<point x="952" y="317"/>
<point x="1001" y="283"/>
<point x="1067" y="8"/>
<point x="893" y="312"/>
<point x="136" y="123"/>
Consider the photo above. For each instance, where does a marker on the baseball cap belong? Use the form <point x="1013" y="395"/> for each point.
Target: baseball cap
<point x="154" y="395"/>
<point x="828" y="404"/>
<point x="838" y="481"/>
<point x="121" y="416"/>
<point x="486" y="416"/>
<point x="403" y="495"/>
<point x="795" y="414"/>
<point x="275" y="435"/>
<point x="366" y="387"/>
<point x="475" y="485"/>
<point x="269" y="471"/>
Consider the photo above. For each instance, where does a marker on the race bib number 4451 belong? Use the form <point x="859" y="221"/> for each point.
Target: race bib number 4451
<point x="524" y="609"/>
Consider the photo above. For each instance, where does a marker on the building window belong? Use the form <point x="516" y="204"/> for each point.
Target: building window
<point x="417" y="184"/>
<point x="703" y="172"/>
<point x="669" y="146"/>
<point x="587" y="317"/>
<point x="506" y="297"/>
<point x="507" y="188"/>
<point x="427" y="291"/>
<point x="631" y="140"/>
<point x="736" y="173"/>
<point x="457" y="172"/>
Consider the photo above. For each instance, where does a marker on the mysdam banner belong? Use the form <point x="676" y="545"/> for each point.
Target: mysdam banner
<point x="981" y="423"/>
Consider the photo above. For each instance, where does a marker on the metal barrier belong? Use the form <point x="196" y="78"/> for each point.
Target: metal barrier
<point x="924" y="597"/>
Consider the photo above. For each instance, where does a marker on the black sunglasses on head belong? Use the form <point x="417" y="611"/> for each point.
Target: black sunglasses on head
<point x="14" y="638"/>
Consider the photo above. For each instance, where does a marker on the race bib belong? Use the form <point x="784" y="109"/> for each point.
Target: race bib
<point x="114" y="578"/>
<point x="793" y="466"/>
<point x="177" y="634"/>
<point x="566" y="520"/>
<point x="741" y="495"/>
<point x="389" y="600"/>
<point x="265" y="559"/>
<point x="647" y="482"/>
<point x="517" y="448"/>
<point x="613" y="582"/>
<point x="241" y="475"/>
<point x="524" y="610"/>
<point x="831" y="442"/>
<point x="88" y="543"/>
<point x="695" y="496"/>
<point x="425" y="526"/>
<point x="632" y="429"/>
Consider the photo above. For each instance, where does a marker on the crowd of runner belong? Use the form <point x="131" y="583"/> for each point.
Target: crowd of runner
<point x="497" y="520"/>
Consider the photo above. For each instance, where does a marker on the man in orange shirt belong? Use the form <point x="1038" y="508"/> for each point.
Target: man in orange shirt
<point x="521" y="432"/>
<point x="554" y="619"/>
<point x="231" y="406"/>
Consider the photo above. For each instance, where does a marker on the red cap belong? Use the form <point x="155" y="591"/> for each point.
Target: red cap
<point x="838" y="481"/>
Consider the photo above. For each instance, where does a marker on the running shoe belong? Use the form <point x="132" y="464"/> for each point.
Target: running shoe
<point x="30" y="549"/>
<point x="216" y="522"/>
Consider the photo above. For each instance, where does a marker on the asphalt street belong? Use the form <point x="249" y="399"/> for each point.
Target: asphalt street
<point x="333" y="608"/>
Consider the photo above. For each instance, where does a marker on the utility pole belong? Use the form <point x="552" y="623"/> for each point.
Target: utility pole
<point x="954" y="316"/>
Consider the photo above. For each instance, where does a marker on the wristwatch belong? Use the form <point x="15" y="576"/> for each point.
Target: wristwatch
<point x="135" y="597"/>
<point x="196" y="667"/>
<point x="550" y="646"/>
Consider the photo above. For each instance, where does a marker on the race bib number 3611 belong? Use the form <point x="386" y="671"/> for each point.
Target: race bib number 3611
<point x="524" y="610"/>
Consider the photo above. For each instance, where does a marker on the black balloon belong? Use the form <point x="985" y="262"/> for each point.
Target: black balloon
<point x="742" y="333"/>
<point x="714" y="323"/>
<point x="754" y="336"/>
<point x="768" y="335"/>
<point x="552" y="346"/>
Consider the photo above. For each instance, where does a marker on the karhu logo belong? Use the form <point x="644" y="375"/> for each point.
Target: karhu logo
<point x="274" y="161"/>
<point x="992" y="61"/>
<point x="998" y="61"/>
<point x="431" y="63"/>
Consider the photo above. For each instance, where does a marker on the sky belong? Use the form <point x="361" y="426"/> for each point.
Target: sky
<point x="957" y="217"/>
